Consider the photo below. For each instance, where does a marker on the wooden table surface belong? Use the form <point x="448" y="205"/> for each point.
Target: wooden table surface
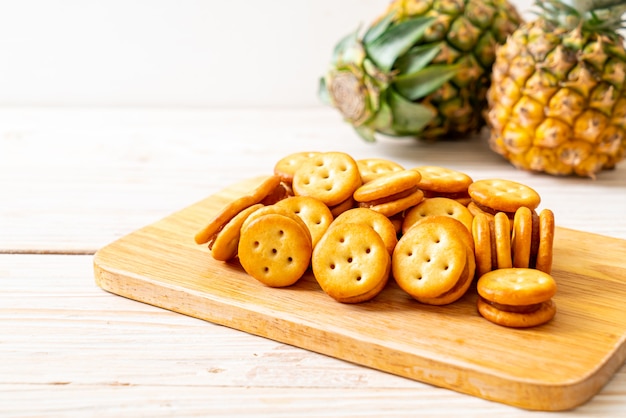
<point x="73" y="180"/>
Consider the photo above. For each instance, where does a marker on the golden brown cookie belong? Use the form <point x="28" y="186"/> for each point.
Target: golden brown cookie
<point x="439" y="181"/>
<point x="522" y="237"/>
<point x="387" y="187"/>
<point x="482" y="243"/>
<point x="260" y="192"/>
<point x="459" y="289"/>
<point x="342" y="207"/>
<point x="429" y="260"/>
<point x="274" y="250"/>
<point x="331" y="177"/>
<point x="394" y="207"/>
<point x="499" y="195"/>
<point x="502" y="233"/>
<point x="276" y="209"/>
<point x="224" y="246"/>
<point x="438" y="206"/>
<point x="286" y="166"/>
<point x="372" y="168"/>
<point x="377" y="221"/>
<point x="351" y="263"/>
<point x="516" y="297"/>
<point x="546" y="241"/>
<point x="452" y="224"/>
<point x="315" y="214"/>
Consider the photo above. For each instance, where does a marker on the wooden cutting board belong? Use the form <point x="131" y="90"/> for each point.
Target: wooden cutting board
<point x="556" y="366"/>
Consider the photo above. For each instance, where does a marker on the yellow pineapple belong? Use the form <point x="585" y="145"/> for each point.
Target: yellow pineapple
<point x="557" y="101"/>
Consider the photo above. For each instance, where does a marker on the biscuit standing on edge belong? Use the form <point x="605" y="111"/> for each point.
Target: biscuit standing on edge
<point x="260" y="192"/>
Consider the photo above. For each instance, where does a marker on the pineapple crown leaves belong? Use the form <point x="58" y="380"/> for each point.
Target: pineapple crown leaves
<point x="392" y="74"/>
<point x="600" y="16"/>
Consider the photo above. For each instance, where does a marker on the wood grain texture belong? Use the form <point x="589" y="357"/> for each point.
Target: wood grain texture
<point x="553" y="367"/>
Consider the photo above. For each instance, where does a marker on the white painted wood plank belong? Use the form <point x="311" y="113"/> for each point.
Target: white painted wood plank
<point x="69" y="349"/>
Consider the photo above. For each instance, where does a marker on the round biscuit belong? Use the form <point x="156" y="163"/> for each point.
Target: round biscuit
<point x="516" y="286"/>
<point x="315" y="214"/>
<point x="546" y="241"/>
<point x="438" y="206"/>
<point x="220" y="219"/>
<point x="453" y="224"/>
<point x="273" y="250"/>
<point x="442" y="179"/>
<point x="482" y="243"/>
<point x="503" y="195"/>
<point x="351" y="262"/>
<point x="428" y="260"/>
<point x="279" y="210"/>
<point x="394" y="207"/>
<point x="331" y="177"/>
<point x="502" y="231"/>
<point x="372" y="168"/>
<point x="377" y="221"/>
<point x="286" y="166"/>
<point x="256" y="195"/>
<point x="387" y="185"/>
<point x="224" y="246"/>
<point x="544" y="314"/>
<point x="460" y="288"/>
<point x="521" y="237"/>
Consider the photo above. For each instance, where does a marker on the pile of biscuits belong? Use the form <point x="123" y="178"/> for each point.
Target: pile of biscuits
<point x="356" y="224"/>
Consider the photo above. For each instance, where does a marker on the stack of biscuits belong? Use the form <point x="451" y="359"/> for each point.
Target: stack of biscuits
<point x="356" y="224"/>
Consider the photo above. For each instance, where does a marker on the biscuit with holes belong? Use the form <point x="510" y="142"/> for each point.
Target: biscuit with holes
<point x="377" y="221"/>
<point x="372" y="168"/>
<point x="260" y="192"/>
<point x="351" y="263"/>
<point x="429" y="260"/>
<point x="438" y="206"/>
<point x="331" y="177"/>
<point x="277" y="209"/>
<point x="499" y="195"/>
<point x="224" y="246"/>
<point x="459" y="289"/>
<point x="315" y="214"/>
<point x="286" y="167"/>
<point x="274" y="250"/>
<point x="390" y="193"/>
<point x="516" y="297"/>
<point x="546" y="241"/>
<point x="444" y="182"/>
<point x="454" y="225"/>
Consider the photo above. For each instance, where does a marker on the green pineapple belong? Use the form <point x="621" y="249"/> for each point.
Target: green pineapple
<point x="422" y="69"/>
<point x="557" y="103"/>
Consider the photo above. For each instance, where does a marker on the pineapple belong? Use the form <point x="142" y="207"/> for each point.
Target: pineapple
<point x="557" y="102"/>
<point x="421" y="69"/>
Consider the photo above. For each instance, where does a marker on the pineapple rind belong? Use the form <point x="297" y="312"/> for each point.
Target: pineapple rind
<point x="557" y="103"/>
